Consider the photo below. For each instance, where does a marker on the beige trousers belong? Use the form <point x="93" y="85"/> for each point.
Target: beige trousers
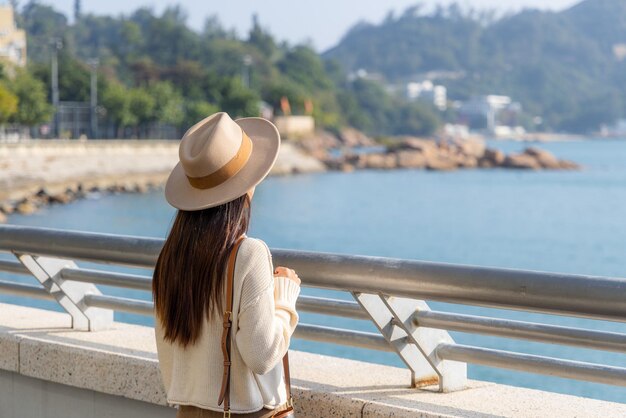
<point x="195" y="412"/>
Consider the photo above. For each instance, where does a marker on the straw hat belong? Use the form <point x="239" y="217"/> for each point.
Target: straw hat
<point x="220" y="160"/>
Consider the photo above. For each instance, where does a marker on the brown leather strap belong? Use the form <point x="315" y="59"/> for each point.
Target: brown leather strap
<point x="287" y="376"/>
<point x="227" y="323"/>
<point x="228" y="320"/>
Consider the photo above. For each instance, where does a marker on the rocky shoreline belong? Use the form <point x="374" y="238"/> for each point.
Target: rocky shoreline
<point x="35" y="174"/>
<point x="426" y="154"/>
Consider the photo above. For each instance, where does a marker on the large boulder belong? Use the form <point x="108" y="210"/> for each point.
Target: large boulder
<point x="380" y="161"/>
<point x="410" y="159"/>
<point x="317" y="143"/>
<point x="522" y="161"/>
<point x="354" y="138"/>
<point x="442" y="163"/>
<point x="26" y="207"/>
<point x="426" y="146"/>
<point x="543" y="157"/>
<point x="470" y="147"/>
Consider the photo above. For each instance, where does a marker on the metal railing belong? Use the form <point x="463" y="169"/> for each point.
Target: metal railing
<point x="389" y="292"/>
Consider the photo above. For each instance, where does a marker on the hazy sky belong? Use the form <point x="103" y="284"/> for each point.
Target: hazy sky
<point x="321" y="21"/>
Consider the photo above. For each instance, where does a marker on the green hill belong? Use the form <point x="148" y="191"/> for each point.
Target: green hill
<point x="567" y="67"/>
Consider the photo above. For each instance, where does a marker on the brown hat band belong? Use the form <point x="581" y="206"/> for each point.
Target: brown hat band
<point x="229" y="169"/>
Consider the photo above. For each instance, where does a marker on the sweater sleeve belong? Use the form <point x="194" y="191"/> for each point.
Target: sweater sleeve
<point x="267" y="316"/>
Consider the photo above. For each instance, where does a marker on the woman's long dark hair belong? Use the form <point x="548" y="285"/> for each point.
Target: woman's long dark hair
<point x="188" y="280"/>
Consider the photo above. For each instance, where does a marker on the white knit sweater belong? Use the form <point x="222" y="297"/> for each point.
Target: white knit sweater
<point x="264" y="318"/>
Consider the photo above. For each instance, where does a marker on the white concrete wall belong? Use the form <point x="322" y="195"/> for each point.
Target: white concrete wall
<point x="27" y="397"/>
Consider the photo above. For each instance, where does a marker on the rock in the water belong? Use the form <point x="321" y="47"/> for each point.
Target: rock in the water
<point x="441" y="163"/>
<point x="410" y="159"/>
<point x="522" y="161"/>
<point x="470" y="147"/>
<point x="61" y="198"/>
<point x="492" y="158"/>
<point x="354" y="138"/>
<point x="544" y="158"/>
<point x="7" y="208"/>
<point x="26" y="207"/>
<point x="380" y="161"/>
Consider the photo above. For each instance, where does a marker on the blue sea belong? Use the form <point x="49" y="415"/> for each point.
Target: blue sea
<point x="569" y="221"/>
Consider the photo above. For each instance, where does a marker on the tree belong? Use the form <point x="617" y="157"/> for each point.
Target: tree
<point x="197" y="110"/>
<point x="116" y="103"/>
<point x="238" y="100"/>
<point x="168" y="103"/>
<point x="32" y="107"/>
<point x="8" y="104"/>
<point x="141" y="105"/>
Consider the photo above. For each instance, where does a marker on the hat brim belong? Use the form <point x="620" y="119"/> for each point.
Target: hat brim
<point x="265" y="145"/>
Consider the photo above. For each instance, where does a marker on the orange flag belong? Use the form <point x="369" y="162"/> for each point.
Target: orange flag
<point x="308" y="107"/>
<point x="284" y="105"/>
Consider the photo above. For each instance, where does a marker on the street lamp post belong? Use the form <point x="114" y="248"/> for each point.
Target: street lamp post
<point x="245" y="76"/>
<point x="56" y="45"/>
<point x="93" y="63"/>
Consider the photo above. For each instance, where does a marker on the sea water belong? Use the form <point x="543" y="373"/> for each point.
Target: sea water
<point x="562" y="221"/>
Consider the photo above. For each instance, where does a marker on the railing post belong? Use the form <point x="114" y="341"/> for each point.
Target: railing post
<point x="70" y="295"/>
<point x="416" y="346"/>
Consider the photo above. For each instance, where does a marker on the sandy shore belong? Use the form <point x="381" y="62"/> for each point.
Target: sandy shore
<point x="35" y="173"/>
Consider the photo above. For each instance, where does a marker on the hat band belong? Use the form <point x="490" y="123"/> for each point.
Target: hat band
<point x="229" y="169"/>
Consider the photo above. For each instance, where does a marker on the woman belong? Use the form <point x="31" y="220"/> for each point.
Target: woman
<point x="221" y="162"/>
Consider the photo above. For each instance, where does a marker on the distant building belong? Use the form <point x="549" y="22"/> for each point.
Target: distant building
<point x="294" y="126"/>
<point x="496" y="113"/>
<point x="12" y="40"/>
<point x="618" y="129"/>
<point x="429" y="92"/>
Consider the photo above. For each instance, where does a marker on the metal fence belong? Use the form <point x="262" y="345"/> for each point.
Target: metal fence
<point x="389" y="292"/>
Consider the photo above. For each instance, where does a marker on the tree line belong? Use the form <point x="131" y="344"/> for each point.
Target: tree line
<point x="153" y="68"/>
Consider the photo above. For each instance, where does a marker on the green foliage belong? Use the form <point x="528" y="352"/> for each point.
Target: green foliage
<point x="558" y="65"/>
<point x="372" y="110"/>
<point x="168" y="103"/>
<point x="8" y="104"/>
<point x="32" y="107"/>
<point x="117" y="106"/>
<point x="155" y="69"/>
<point x="195" y="111"/>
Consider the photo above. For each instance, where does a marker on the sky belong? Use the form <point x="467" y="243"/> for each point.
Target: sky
<point x="322" y="22"/>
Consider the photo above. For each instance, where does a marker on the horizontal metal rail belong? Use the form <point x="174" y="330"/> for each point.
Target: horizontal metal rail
<point x="13" y="267"/>
<point x="142" y="307"/>
<point x="27" y="290"/>
<point x="534" y="364"/>
<point x="342" y="337"/>
<point x="601" y="340"/>
<point x="586" y="296"/>
<point x="125" y="280"/>
<point x="305" y="331"/>
<point x="117" y="303"/>
<point x="324" y="306"/>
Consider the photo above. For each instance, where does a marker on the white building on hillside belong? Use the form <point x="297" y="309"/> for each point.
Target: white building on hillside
<point x="427" y="91"/>
<point x="497" y="111"/>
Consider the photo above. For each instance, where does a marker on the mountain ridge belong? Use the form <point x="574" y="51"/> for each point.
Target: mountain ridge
<point x="559" y="65"/>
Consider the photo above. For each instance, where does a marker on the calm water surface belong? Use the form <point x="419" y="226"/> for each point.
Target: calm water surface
<point x="555" y="221"/>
